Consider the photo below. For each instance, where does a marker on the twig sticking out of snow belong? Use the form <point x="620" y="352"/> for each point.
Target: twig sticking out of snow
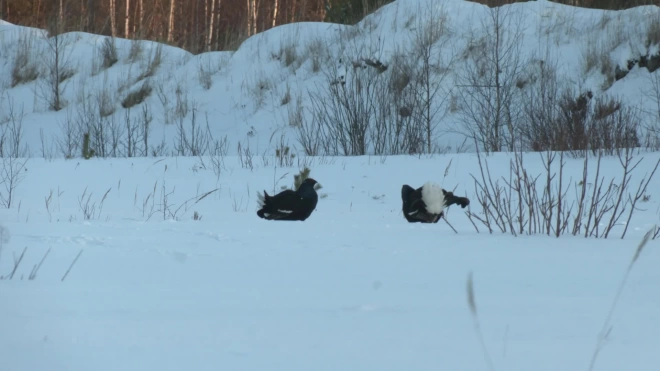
<point x="475" y="319"/>
<point x="71" y="266"/>
<point x="607" y="328"/>
<point x="450" y="226"/>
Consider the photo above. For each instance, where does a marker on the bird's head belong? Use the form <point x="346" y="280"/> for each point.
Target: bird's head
<point x="311" y="182"/>
<point x="450" y="199"/>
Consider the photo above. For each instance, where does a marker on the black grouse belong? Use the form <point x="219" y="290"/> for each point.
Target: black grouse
<point x="427" y="203"/>
<point x="290" y="204"/>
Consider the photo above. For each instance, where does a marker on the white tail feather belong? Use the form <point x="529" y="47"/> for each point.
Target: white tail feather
<point x="260" y="199"/>
<point x="433" y="197"/>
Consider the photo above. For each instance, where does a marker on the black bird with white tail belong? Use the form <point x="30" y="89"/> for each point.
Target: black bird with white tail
<point x="427" y="203"/>
<point x="289" y="204"/>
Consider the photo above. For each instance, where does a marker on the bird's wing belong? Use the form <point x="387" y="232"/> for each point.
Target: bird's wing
<point x="285" y="201"/>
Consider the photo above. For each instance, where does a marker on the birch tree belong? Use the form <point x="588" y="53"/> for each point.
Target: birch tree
<point x="170" y="23"/>
<point x="113" y="21"/>
<point x="211" y="17"/>
<point x="275" y="5"/>
<point x="252" y="14"/>
<point x="127" y="18"/>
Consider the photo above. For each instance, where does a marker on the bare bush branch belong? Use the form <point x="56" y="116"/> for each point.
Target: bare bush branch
<point x="531" y="204"/>
<point x="487" y="85"/>
<point x="12" y="174"/>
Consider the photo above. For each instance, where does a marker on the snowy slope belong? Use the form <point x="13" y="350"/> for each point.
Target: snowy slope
<point x="254" y="89"/>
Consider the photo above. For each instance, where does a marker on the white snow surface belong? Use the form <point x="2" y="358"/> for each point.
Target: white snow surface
<point x="161" y="263"/>
<point x="355" y="287"/>
<point x="433" y="197"/>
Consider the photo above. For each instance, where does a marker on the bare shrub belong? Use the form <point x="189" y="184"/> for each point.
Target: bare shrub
<point x="47" y="151"/>
<point x="163" y="92"/>
<point x="295" y="113"/>
<point x="108" y="53"/>
<point x="286" y="98"/>
<point x="144" y="127"/>
<point x="367" y="106"/>
<point x="652" y="127"/>
<point x="309" y="137"/>
<point x="205" y="75"/>
<point x="653" y="32"/>
<point x="526" y="203"/>
<point x="288" y="54"/>
<point x="132" y="127"/>
<point x="590" y="55"/>
<point x="25" y="66"/>
<point x="259" y="89"/>
<point x="12" y="133"/>
<point x="429" y="76"/>
<point x="12" y="174"/>
<point x="207" y="67"/>
<point x="116" y="136"/>
<point x="89" y="123"/>
<point x="89" y="208"/>
<point x="317" y="52"/>
<point x="580" y="124"/>
<point x="192" y="140"/>
<point x="343" y="110"/>
<point x="68" y="142"/>
<point x="595" y="52"/>
<point x="153" y="61"/>
<point x="217" y="152"/>
<point x="105" y="99"/>
<point x="58" y="70"/>
<point x="245" y="155"/>
<point x="487" y="93"/>
<point x="182" y="106"/>
<point x="135" y="52"/>
<point x="283" y="153"/>
<point x="163" y="205"/>
<point x="137" y="96"/>
<point x="607" y="69"/>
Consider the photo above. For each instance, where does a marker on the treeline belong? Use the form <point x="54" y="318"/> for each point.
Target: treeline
<point x="205" y="25"/>
<point x="195" y="25"/>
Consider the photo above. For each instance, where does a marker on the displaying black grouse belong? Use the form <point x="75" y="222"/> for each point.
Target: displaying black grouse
<point x="427" y="203"/>
<point x="290" y="204"/>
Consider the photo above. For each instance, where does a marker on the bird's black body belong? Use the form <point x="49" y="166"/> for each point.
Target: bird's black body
<point x="427" y="206"/>
<point x="289" y="204"/>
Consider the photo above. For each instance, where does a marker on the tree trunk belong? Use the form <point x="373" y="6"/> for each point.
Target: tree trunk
<point x="252" y="14"/>
<point x="249" y="17"/>
<point x="170" y="23"/>
<point x="209" y="36"/>
<point x="275" y="5"/>
<point x="217" y="29"/>
<point x="61" y="16"/>
<point x="141" y="18"/>
<point x="292" y="13"/>
<point x="126" y="20"/>
<point x="90" y="16"/>
<point x="112" y="10"/>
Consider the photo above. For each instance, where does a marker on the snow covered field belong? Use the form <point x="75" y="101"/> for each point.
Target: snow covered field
<point x="149" y="257"/>
<point x="353" y="287"/>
